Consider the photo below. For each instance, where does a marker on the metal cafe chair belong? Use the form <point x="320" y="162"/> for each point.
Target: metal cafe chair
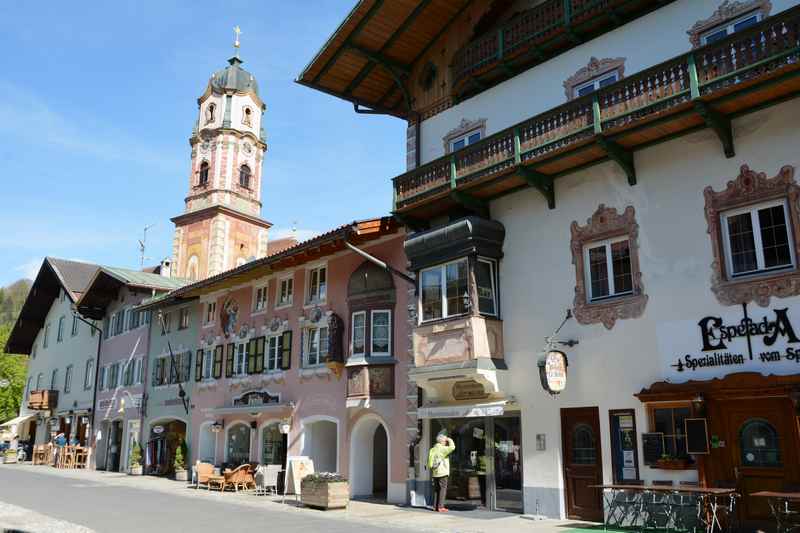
<point x="625" y="507"/>
<point x="657" y="508"/>
<point x="727" y="513"/>
<point x="686" y="508"/>
<point x="787" y="514"/>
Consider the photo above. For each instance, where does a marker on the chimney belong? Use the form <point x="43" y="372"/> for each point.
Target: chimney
<point x="165" y="268"/>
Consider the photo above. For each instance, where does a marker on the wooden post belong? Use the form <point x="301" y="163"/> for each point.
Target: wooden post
<point x="694" y="82"/>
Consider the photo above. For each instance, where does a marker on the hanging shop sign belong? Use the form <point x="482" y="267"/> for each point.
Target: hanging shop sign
<point x="158" y="430"/>
<point x="741" y="340"/>
<point x="553" y="371"/>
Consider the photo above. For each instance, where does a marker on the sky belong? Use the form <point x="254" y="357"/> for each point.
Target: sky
<point x="97" y="104"/>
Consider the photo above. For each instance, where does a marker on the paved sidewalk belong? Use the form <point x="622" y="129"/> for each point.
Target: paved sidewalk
<point x="361" y="512"/>
<point x="13" y="518"/>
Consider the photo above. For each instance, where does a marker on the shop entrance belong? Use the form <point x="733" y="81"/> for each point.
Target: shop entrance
<point x="583" y="467"/>
<point x="114" y="452"/>
<point x="486" y="467"/>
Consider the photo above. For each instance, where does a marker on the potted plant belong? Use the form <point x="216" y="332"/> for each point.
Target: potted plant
<point x="325" y="490"/>
<point x="667" y="462"/>
<point x="135" y="460"/>
<point x="180" y="463"/>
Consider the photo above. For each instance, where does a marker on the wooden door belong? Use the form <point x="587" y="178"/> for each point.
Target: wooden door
<point x="763" y="445"/>
<point x="583" y="463"/>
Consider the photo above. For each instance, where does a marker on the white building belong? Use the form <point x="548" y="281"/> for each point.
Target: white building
<point x="632" y="162"/>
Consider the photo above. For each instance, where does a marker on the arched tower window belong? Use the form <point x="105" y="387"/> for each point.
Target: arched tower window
<point x="244" y="176"/>
<point x="210" y="111"/>
<point x="203" y="174"/>
<point x="247" y="117"/>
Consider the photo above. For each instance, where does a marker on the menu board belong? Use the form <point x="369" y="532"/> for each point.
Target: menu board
<point x="697" y="436"/>
<point x="653" y="447"/>
<point x="298" y="468"/>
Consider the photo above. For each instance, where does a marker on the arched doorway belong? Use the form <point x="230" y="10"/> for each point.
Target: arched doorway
<point x="207" y="444"/>
<point x="237" y="444"/>
<point x="369" y="459"/>
<point x="321" y="443"/>
<point x="164" y="439"/>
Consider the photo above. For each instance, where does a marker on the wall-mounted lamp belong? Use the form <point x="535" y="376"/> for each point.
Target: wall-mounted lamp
<point x="699" y="405"/>
<point x="285" y="426"/>
<point x="216" y="427"/>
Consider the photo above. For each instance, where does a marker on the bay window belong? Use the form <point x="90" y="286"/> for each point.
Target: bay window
<point x="381" y="333"/>
<point x="486" y="279"/>
<point x="444" y="290"/>
<point x="757" y="239"/>
<point x="316" y="346"/>
<point x="359" y="332"/>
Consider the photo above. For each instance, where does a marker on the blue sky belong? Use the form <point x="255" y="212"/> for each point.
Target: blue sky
<point x="97" y="102"/>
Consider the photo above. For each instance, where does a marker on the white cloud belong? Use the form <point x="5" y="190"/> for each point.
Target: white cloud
<point x="299" y="234"/>
<point x="30" y="268"/>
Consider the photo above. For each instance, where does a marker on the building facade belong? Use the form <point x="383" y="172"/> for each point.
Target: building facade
<point x="648" y="190"/>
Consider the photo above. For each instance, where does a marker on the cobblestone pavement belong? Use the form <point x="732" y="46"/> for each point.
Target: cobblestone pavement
<point x="41" y="498"/>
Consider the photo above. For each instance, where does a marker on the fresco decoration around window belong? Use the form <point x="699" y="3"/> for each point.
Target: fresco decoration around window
<point x="229" y="316"/>
<point x="727" y="11"/>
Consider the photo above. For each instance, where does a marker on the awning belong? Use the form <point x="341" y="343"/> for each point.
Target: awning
<point x="246" y="409"/>
<point x="18" y="420"/>
<point x="464" y="411"/>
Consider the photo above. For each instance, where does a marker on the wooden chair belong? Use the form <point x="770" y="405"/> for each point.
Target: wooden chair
<point x="235" y="477"/>
<point x="203" y="471"/>
<point x="68" y="460"/>
<point x="81" y="456"/>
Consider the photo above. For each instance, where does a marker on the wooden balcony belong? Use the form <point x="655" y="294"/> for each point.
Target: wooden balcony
<point x="43" y="400"/>
<point x="706" y="87"/>
<point x="457" y="340"/>
<point x="535" y="35"/>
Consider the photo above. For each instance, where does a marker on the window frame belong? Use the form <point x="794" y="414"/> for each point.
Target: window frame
<point x="493" y="273"/>
<point x="75" y="324"/>
<point x="101" y="378"/>
<point x="465" y="137"/>
<point x="320" y="299"/>
<point x="353" y="351"/>
<point x="753" y="210"/>
<point x="651" y="421"/>
<point x="240" y="360"/>
<point x="46" y="336"/>
<point x="183" y="318"/>
<point x="595" y="83"/>
<point x="279" y="301"/>
<point x="729" y="26"/>
<point x="260" y="298"/>
<point x="60" y="331"/>
<point x="68" y="379"/>
<point x="268" y="349"/>
<point x="88" y="374"/>
<point x="612" y="293"/>
<point x="372" y="352"/>
<point x="209" y="313"/>
<point x="208" y="364"/>
<point x="54" y="379"/>
<point x="442" y="268"/>
<point x="307" y="342"/>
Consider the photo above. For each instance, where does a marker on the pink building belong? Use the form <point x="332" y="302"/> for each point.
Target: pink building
<point x="315" y="336"/>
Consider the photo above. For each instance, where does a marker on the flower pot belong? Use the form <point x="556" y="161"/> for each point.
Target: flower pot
<point x="325" y="495"/>
<point x="135" y="470"/>
<point x="181" y="475"/>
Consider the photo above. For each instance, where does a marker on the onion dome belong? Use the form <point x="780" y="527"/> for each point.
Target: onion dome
<point x="234" y="77"/>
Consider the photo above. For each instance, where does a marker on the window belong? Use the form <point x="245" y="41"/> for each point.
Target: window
<point x="594" y="84"/>
<point x="381" y="333"/>
<point x="166" y="327"/>
<point x="119" y="322"/>
<point x="286" y="292"/>
<point x="139" y="371"/>
<point x="127" y="373"/>
<point x="39" y="378"/>
<point x="211" y="312"/>
<point x="60" y="333"/>
<point x="179" y="372"/>
<point x="240" y="366"/>
<point x="584" y="450"/>
<point x="260" y="300"/>
<point x="106" y="328"/>
<point x="62" y="295"/>
<point x="444" y="290"/>
<point x="273" y="353"/>
<point x="54" y="380"/>
<point x="244" y="176"/>
<point x="68" y="379"/>
<point x="486" y="279"/>
<point x="247" y="117"/>
<point x="74" y="331"/>
<point x="210" y="113"/>
<point x="757" y="239"/>
<point x="316" y="346"/>
<point x="317" y="285"/>
<point x="759" y="444"/>
<point x="101" y="379"/>
<point x="203" y="177"/>
<point x="465" y="140"/>
<point x="671" y="422"/>
<point x="159" y="371"/>
<point x="720" y="32"/>
<point x="46" y="335"/>
<point x="113" y="379"/>
<point x="207" y="361"/>
<point x="88" y="375"/>
<point x="183" y="317"/>
<point x="135" y="319"/>
<point x="359" y="332"/>
<point x="608" y="268"/>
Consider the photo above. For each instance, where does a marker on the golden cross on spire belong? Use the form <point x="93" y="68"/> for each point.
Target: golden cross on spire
<point x="236" y="32"/>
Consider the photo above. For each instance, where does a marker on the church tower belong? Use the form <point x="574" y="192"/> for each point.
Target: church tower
<point x="222" y="227"/>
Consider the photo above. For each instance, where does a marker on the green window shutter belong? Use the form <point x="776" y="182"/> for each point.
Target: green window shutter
<point x="186" y="371"/>
<point x="198" y="366"/>
<point x="285" y="349"/>
<point x="229" y="356"/>
<point x="218" y="362"/>
<point x="251" y="356"/>
<point x="260" y="341"/>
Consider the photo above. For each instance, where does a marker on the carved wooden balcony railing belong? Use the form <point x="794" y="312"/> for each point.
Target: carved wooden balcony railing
<point x="706" y="87"/>
<point x="43" y="400"/>
<point x="537" y="33"/>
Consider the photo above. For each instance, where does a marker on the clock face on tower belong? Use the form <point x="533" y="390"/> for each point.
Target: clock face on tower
<point x="205" y="146"/>
<point x="247" y="148"/>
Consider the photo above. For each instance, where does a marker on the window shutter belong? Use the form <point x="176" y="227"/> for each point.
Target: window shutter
<point x="259" y="353"/>
<point x="285" y="349"/>
<point x="229" y="360"/>
<point x="218" y="362"/>
<point x="251" y="356"/>
<point x="187" y="367"/>
<point x="198" y="366"/>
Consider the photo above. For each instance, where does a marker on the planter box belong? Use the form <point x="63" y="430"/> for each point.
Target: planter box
<point x="135" y="471"/>
<point x="334" y="495"/>
<point x="181" y="475"/>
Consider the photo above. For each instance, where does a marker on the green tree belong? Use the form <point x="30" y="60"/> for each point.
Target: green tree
<point x="12" y="374"/>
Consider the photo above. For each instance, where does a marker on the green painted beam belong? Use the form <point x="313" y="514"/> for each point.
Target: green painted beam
<point x="541" y="182"/>
<point x="719" y="123"/>
<point x="366" y="69"/>
<point x="363" y="22"/>
<point x="620" y="156"/>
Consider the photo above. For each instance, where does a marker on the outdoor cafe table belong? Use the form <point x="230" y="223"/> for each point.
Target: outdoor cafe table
<point x="708" y="495"/>
<point x="787" y="520"/>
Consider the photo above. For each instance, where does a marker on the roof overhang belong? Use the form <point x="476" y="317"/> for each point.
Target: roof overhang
<point x="191" y="216"/>
<point x="368" y="58"/>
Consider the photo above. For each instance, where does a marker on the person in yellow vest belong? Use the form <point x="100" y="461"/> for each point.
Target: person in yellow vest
<point x="439" y="465"/>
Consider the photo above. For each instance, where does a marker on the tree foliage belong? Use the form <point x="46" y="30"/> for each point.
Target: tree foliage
<point x="12" y="367"/>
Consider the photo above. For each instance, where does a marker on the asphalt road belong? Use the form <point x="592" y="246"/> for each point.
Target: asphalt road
<point x="112" y="508"/>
